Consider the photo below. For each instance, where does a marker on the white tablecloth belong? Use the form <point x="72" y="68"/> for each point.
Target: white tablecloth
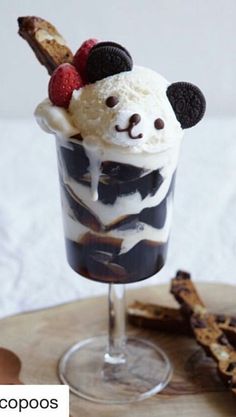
<point x="33" y="268"/>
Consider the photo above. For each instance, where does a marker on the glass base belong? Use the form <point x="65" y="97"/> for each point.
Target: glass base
<point x="145" y="371"/>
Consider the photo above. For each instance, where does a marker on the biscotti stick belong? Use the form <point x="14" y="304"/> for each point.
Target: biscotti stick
<point x="205" y="328"/>
<point x="48" y="45"/>
<point x="171" y="320"/>
<point x="158" y="317"/>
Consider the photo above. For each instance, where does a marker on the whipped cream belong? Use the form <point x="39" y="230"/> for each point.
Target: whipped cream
<point x="55" y="120"/>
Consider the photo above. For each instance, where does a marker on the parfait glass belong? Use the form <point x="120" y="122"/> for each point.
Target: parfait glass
<point x="117" y="218"/>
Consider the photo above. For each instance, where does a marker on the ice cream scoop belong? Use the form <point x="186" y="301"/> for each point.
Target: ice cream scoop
<point x="136" y="109"/>
<point x="140" y="99"/>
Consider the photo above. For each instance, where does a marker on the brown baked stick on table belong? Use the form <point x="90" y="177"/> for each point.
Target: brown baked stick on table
<point x="158" y="317"/>
<point x="205" y="328"/>
<point x="48" y="45"/>
<point x="171" y="320"/>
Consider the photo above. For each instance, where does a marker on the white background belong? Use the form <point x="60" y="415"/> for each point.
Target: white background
<point x="192" y="40"/>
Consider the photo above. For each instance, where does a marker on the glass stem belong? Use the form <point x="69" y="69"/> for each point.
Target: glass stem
<point x="116" y="324"/>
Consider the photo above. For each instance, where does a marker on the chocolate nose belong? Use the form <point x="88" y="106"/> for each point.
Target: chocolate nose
<point x="134" y="119"/>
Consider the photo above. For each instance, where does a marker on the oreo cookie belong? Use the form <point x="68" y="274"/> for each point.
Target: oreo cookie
<point x="188" y="103"/>
<point x="105" y="59"/>
<point x="110" y="43"/>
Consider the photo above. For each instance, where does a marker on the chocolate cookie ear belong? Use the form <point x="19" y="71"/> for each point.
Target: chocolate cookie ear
<point x="105" y="59"/>
<point x="188" y="103"/>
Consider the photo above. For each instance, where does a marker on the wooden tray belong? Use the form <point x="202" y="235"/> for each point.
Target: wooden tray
<point x="40" y="338"/>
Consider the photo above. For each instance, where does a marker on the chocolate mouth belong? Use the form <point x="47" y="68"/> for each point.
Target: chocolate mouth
<point x="133" y="121"/>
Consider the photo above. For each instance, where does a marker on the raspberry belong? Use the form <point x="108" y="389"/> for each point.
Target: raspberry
<point x="81" y="56"/>
<point x="64" y="80"/>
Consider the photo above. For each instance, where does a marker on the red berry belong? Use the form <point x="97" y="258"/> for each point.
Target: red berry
<point x="81" y="56"/>
<point x="64" y="80"/>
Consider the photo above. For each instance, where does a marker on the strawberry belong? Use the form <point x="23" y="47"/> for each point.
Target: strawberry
<point x="64" y="80"/>
<point x="81" y="56"/>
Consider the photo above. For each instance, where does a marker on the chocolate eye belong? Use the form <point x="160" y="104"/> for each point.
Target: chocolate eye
<point x="159" y="124"/>
<point x="112" y="101"/>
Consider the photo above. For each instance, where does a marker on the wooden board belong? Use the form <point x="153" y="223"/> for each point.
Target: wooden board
<point x="40" y="338"/>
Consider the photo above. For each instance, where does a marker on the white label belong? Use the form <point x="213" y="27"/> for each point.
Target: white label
<point x="34" y="400"/>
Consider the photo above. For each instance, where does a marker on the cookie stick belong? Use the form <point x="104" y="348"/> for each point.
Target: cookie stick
<point x="205" y="328"/>
<point x="171" y="320"/>
<point x="158" y="317"/>
<point x="48" y="45"/>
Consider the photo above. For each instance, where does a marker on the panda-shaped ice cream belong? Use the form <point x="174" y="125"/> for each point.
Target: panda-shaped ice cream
<point x="119" y="128"/>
